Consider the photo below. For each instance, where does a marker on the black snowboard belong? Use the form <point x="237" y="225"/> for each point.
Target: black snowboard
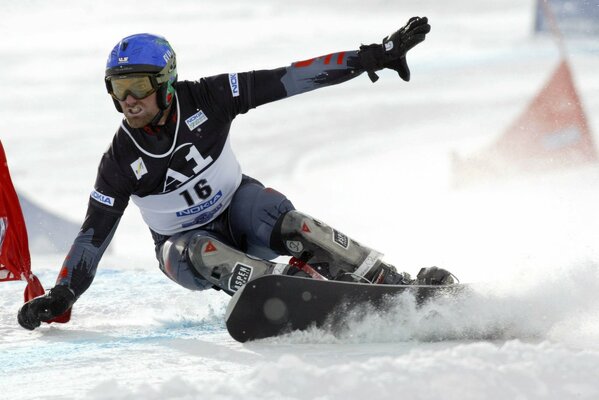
<point x="275" y="304"/>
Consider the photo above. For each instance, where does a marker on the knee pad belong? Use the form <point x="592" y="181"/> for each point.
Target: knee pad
<point x="173" y="263"/>
<point x="313" y="241"/>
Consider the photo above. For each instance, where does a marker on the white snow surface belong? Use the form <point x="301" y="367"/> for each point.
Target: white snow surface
<point x="372" y="160"/>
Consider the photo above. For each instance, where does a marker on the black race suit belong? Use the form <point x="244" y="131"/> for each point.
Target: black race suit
<point x="184" y="174"/>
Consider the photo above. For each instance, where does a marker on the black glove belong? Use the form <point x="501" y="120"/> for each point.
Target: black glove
<point x="392" y="52"/>
<point x="44" y="308"/>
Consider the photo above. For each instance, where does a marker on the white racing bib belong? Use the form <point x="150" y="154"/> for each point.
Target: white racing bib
<point x="197" y="201"/>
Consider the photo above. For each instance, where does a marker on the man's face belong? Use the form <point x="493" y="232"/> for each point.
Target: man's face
<point x="140" y="112"/>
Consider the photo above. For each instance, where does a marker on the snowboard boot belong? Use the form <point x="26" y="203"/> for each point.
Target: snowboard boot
<point x="319" y="245"/>
<point x="227" y="268"/>
<point x="435" y="276"/>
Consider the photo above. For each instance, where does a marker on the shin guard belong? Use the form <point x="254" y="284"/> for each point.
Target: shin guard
<point x="314" y="242"/>
<point x="225" y="267"/>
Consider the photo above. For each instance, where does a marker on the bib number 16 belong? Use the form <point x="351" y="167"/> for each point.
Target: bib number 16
<point x="200" y="191"/>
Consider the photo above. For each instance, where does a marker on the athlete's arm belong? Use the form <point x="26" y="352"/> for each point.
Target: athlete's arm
<point x="228" y="95"/>
<point x="106" y="206"/>
<point x="77" y="272"/>
<point x="331" y="69"/>
<point x="305" y="76"/>
<point x="81" y="263"/>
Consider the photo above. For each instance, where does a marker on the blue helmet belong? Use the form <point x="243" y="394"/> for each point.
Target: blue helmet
<point x="144" y="53"/>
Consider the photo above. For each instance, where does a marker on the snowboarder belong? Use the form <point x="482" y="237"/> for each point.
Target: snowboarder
<point x="213" y="227"/>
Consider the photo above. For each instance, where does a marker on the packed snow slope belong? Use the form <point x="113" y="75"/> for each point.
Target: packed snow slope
<point x="372" y="160"/>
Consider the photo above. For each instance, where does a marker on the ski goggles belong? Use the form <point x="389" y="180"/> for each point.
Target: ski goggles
<point x="138" y="86"/>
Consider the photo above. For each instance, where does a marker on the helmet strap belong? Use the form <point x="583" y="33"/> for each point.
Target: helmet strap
<point x="160" y="114"/>
<point x="154" y="122"/>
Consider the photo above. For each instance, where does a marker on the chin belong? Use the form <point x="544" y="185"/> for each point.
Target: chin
<point x="137" y="122"/>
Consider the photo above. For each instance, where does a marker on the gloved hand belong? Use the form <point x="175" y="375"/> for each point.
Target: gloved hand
<point x="392" y="52"/>
<point x="44" y="308"/>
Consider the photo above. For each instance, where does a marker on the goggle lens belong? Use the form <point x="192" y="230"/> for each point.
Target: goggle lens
<point x="136" y="86"/>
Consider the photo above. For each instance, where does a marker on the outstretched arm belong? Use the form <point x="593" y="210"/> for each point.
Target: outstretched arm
<point x="239" y="92"/>
<point x="331" y="69"/>
<point x="304" y="76"/>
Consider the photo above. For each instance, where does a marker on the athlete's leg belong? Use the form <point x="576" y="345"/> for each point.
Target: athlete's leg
<point x="225" y="267"/>
<point x="317" y="243"/>
<point x="250" y="219"/>
<point x="253" y="214"/>
<point x="201" y="259"/>
<point x="174" y="262"/>
<point x="263" y="223"/>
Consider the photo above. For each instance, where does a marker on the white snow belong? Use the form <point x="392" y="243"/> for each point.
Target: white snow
<point x="370" y="159"/>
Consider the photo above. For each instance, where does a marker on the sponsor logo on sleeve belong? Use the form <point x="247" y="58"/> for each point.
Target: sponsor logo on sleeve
<point x="196" y="120"/>
<point x="139" y="168"/>
<point x="234" y="83"/>
<point x="102" y="198"/>
<point x="241" y="275"/>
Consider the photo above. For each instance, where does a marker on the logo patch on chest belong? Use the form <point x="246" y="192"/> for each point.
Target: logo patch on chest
<point x="139" y="168"/>
<point x="196" y="120"/>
